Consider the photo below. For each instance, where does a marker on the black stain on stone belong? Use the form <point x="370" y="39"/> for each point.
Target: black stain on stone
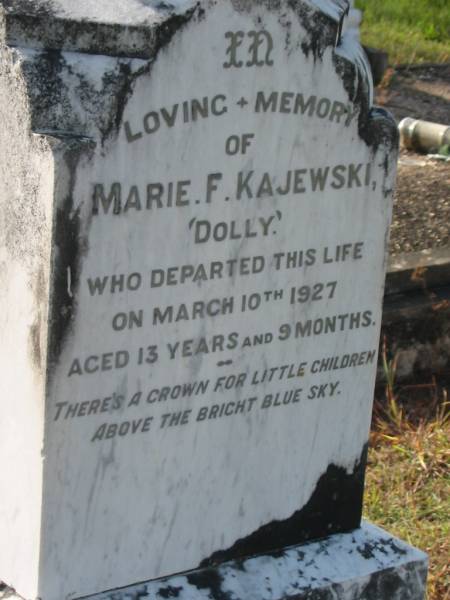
<point x="376" y="126"/>
<point x="164" y="6"/>
<point x="68" y="250"/>
<point x="35" y="344"/>
<point x="121" y="94"/>
<point x="43" y="8"/>
<point x="63" y="305"/>
<point x="162" y="37"/>
<point x="169" y="591"/>
<point x="40" y="293"/>
<point x="322" y="29"/>
<point x="388" y="546"/>
<point x="211" y="580"/>
<point x="394" y="583"/>
<point x="366" y="551"/>
<point x="44" y="83"/>
<point x="378" y="130"/>
<point x="239" y="565"/>
<point x="50" y="78"/>
<point x="357" y="85"/>
<point x="40" y="25"/>
<point x="382" y="587"/>
<point x="334" y="507"/>
<point x="331" y="592"/>
<point x="322" y="32"/>
<point x="168" y="28"/>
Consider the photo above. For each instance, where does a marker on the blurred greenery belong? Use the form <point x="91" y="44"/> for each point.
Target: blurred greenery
<point x="411" y="31"/>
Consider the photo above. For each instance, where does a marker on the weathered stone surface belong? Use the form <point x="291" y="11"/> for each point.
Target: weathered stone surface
<point x="367" y="564"/>
<point x="26" y="192"/>
<point x="208" y="230"/>
<point x="134" y="28"/>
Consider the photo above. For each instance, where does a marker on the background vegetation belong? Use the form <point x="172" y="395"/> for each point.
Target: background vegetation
<point x="408" y="474"/>
<point x="412" y="31"/>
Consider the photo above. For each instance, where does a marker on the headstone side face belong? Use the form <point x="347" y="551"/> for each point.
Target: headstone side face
<point x="353" y="22"/>
<point x="26" y="191"/>
<point x="220" y="214"/>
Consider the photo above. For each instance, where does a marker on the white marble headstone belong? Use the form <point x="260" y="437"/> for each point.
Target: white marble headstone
<point x="209" y="241"/>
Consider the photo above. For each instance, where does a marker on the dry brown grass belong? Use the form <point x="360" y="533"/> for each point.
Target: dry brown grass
<point x="408" y="476"/>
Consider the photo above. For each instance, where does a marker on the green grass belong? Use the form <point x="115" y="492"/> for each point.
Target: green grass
<point x="411" y="31"/>
<point x="408" y="474"/>
<point x="407" y="493"/>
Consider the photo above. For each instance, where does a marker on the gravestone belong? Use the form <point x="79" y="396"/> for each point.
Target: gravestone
<point x="195" y="204"/>
<point x="352" y="26"/>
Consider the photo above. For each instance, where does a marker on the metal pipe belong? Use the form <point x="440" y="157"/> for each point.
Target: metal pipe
<point x="423" y="136"/>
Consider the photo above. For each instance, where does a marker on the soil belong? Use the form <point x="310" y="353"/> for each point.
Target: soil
<point x="421" y="218"/>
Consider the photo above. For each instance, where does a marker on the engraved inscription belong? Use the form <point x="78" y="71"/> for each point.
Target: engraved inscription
<point x="256" y="45"/>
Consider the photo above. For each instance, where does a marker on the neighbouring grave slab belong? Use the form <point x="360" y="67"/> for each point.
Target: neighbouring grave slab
<point x="416" y="315"/>
<point x="195" y="205"/>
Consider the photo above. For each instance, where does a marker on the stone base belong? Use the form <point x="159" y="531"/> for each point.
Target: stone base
<point x="367" y="564"/>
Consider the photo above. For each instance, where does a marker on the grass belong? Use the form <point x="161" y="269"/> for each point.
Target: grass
<point x="408" y="475"/>
<point x="411" y="31"/>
